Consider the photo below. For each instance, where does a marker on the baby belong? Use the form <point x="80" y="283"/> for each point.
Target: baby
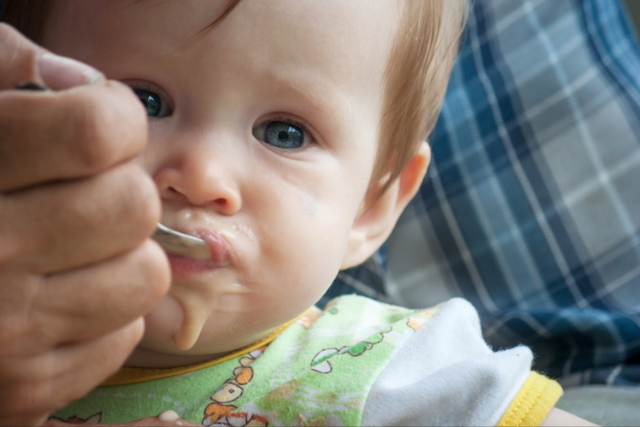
<point x="289" y="135"/>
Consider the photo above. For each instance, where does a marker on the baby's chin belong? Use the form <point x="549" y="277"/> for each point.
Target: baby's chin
<point x="164" y="332"/>
<point x="160" y="345"/>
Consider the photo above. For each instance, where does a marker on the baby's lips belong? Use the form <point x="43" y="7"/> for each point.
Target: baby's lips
<point x="218" y="246"/>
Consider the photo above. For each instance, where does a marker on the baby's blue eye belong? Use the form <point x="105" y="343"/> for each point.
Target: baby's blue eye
<point x="153" y="103"/>
<point x="282" y="135"/>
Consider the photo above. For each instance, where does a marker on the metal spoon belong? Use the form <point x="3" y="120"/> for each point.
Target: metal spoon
<point x="176" y="243"/>
<point x="172" y="241"/>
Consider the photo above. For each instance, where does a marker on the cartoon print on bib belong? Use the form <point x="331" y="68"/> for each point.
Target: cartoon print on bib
<point x="321" y="362"/>
<point x="74" y="420"/>
<point x="309" y="318"/>
<point x="418" y="319"/>
<point x="219" y="412"/>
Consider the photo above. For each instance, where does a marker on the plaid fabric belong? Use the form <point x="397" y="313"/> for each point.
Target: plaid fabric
<point x="531" y="209"/>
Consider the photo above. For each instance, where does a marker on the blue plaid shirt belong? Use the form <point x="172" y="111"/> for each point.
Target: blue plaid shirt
<point x="531" y="208"/>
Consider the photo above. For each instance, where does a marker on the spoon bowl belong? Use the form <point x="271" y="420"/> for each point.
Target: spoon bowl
<point x="176" y="243"/>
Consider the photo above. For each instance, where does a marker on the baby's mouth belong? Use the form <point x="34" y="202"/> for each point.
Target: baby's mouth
<point x="202" y="225"/>
<point x="219" y="252"/>
<point x="218" y="246"/>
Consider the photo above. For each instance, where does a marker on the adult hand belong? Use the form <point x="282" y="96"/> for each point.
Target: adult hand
<point x="77" y="270"/>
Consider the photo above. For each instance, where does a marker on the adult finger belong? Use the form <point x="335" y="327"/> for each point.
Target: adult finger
<point x="49" y="229"/>
<point x="22" y="60"/>
<point x="79" y="132"/>
<point x="85" y="303"/>
<point x="34" y="387"/>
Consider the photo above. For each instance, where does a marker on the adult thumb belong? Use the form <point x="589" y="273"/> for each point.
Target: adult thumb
<point x="21" y="60"/>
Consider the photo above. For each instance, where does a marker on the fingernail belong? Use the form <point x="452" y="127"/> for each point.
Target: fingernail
<point x="58" y="72"/>
<point x="168" y="416"/>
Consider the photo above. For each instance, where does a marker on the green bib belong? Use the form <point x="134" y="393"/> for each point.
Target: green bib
<point x="318" y="371"/>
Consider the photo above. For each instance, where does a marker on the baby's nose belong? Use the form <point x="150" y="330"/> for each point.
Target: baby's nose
<point x="198" y="177"/>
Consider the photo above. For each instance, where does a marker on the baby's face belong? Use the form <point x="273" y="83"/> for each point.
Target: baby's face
<point x="263" y="134"/>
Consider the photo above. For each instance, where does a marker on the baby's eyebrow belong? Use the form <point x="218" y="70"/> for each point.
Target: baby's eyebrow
<point x="319" y="98"/>
<point x="323" y="97"/>
<point x="325" y="106"/>
<point x="232" y="4"/>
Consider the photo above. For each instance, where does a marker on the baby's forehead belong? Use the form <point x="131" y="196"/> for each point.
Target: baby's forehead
<point x="352" y="35"/>
<point x="354" y="32"/>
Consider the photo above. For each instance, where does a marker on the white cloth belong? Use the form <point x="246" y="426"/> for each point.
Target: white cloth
<point x="447" y="375"/>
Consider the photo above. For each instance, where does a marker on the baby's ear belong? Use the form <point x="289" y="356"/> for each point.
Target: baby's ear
<point x="373" y="226"/>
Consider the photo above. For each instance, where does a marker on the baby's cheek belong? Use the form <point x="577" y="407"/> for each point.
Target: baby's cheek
<point x="326" y="247"/>
<point x="311" y="206"/>
<point x="302" y="201"/>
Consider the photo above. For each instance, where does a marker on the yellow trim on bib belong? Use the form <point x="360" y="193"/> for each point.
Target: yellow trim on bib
<point x="533" y="402"/>
<point x="127" y="375"/>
